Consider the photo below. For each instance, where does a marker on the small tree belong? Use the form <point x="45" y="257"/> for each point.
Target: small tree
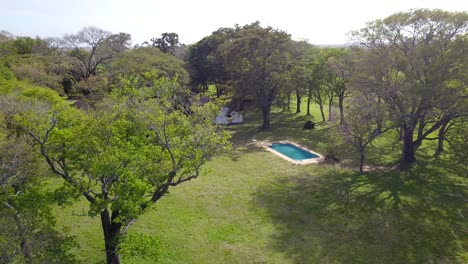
<point x="361" y="125"/>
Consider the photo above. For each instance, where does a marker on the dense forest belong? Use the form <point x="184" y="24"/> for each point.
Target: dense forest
<point x="119" y="126"/>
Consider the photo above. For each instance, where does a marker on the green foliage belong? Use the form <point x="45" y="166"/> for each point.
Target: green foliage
<point x="7" y="80"/>
<point x="257" y="59"/>
<point x="167" y="43"/>
<point x="205" y="60"/>
<point x="26" y="222"/>
<point x="140" y="60"/>
<point x="20" y="46"/>
<point x="411" y="62"/>
<point x="43" y="70"/>
<point x="123" y="155"/>
<point x="5" y="73"/>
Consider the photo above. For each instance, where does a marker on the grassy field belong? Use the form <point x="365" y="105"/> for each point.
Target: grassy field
<point x="255" y="207"/>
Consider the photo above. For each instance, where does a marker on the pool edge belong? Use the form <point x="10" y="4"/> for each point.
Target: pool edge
<point x="319" y="159"/>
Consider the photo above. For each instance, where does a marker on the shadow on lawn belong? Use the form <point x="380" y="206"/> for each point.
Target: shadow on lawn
<point x="379" y="217"/>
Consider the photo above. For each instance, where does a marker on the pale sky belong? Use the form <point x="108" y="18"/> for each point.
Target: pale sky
<point x="319" y="22"/>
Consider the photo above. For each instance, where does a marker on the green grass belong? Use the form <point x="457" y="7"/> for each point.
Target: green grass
<point x="257" y="208"/>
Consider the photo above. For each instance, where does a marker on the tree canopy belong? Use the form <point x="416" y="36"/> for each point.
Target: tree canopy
<point x="412" y="63"/>
<point x="257" y="59"/>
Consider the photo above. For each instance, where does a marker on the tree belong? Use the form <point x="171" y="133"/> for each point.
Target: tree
<point x="457" y="138"/>
<point x="341" y="66"/>
<point x="92" y="46"/>
<point x="167" y="43"/>
<point x="141" y="60"/>
<point x="361" y="126"/>
<point x="315" y="91"/>
<point x="27" y="232"/>
<point x="43" y="70"/>
<point x="417" y="58"/>
<point x="257" y="59"/>
<point x="6" y="36"/>
<point x="124" y="155"/>
<point x="206" y="62"/>
<point x="301" y="53"/>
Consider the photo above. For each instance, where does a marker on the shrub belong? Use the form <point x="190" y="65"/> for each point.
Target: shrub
<point x="309" y="125"/>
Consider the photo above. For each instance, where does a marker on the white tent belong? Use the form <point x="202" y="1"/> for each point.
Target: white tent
<point x="225" y="118"/>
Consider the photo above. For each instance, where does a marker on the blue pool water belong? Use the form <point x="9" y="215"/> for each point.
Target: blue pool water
<point x="292" y="151"/>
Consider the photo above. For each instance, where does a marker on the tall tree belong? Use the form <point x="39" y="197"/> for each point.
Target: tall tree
<point x="206" y="62"/>
<point x="124" y="155"/>
<point x="315" y="91"/>
<point x="258" y="58"/>
<point x="167" y="43"/>
<point x="340" y="64"/>
<point x="92" y="46"/>
<point x="418" y="56"/>
<point x="301" y="53"/>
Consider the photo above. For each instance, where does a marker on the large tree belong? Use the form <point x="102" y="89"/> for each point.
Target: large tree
<point x="92" y="46"/>
<point x="167" y="43"/>
<point x="125" y="154"/>
<point x="413" y="64"/>
<point x="258" y="59"/>
<point x="206" y="62"/>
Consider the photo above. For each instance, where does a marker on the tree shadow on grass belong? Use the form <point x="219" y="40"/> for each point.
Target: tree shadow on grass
<point x="379" y="217"/>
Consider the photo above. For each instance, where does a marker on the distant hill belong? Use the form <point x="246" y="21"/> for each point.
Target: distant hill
<point x="334" y="45"/>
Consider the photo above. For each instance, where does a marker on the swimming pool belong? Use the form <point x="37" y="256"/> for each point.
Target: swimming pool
<point x="294" y="153"/>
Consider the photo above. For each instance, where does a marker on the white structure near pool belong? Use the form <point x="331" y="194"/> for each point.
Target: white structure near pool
<point x="294" y="153"/>
<point x="225" y="118"/>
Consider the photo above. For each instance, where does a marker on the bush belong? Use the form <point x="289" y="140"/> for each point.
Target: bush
<point x="309" y="125"/>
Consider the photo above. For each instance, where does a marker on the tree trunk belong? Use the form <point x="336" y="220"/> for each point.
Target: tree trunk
<point x="22" y="232"/>
<point x="266" y="118"/>
<point x="298" y="102"/>
<point x="111" y="231"/>
<point x="218" y="90"/>
<point x="340" y="105"/>
<point x="330" y="111"/>
<point x="308" y="105"/>
<point x="408" y="151"/>
<point x="361" y="161"/>
<point x="379" y="119"/>
<point x="241" y="105"/>
<point x="288" y="105"/>
<point x="322" y="112"/>
<point x="441" y="138"/>
<point x="24" y="244"/>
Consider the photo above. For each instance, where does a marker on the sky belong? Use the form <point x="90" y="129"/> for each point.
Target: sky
<point x="319" y="22"/>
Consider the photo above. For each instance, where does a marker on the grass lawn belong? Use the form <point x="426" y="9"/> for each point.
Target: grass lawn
<point x="255" y="207"/>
